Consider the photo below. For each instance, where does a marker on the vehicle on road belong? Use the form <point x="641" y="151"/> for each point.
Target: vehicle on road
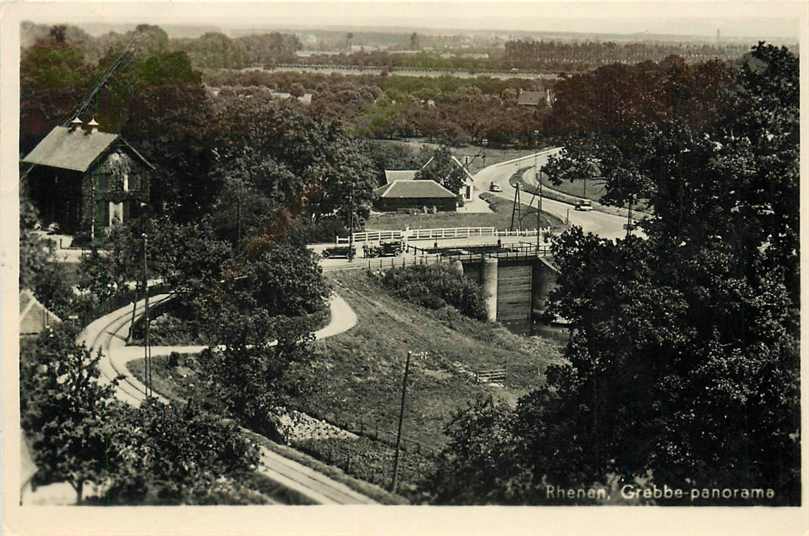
<point x="390" y="248"/>
<point x="339" y="252"/>
<point x="584" y="205"/>
<point x="493" y="187"/>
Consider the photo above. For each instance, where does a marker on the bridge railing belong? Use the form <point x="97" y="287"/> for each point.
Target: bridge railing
<point x="439" y="233"/>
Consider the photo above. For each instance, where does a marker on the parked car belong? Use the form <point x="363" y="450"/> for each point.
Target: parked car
<point x="584" y="205"/>
<point x="390" y="248"/>
<point x="495" y="187"/>
<point x="339" y="252"/>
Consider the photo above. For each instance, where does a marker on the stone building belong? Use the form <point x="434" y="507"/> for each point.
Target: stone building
<point x="85" y="180"/>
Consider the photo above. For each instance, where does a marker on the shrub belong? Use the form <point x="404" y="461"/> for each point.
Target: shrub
<point x="436" y="286"/>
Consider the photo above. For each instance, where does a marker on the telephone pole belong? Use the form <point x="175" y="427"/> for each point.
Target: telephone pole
<point x="515" y="210"/>
<point x="351" y="224"/>
<point x="629" y="215"/>
<point x="147" y="358"/>
<point x="538" y="176"/>
<point x="539" y="206"/>
<point x="395" y="483"/>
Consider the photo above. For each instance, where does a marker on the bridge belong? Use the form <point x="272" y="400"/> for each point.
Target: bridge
<point x="514" y="269"/>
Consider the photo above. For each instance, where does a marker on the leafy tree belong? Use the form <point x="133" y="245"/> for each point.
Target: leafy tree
<point x="187" y="257"/>
<point x="443" y="170"/>
<point x="270" y="48"/>
<point x="105" y="274"/>
<point x="173" y="125"/>
<point x="286" y="280"/>
<point x="249" y="378"/>
<point x="34" y="250"/>
<point x="478" y="466"/>
<point x="683" y="351"/>
<point x="436" y="286"/>
<point x="214" y="51"/>
<point x="173" y="454"/>
<point x="328" y="164"/>
<point x="63" y="407"/>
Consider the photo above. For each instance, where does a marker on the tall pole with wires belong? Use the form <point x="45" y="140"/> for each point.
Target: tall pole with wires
<point x="147" y="351"/>
<point x="395" y="483"/>
<point x="351" y="224"/>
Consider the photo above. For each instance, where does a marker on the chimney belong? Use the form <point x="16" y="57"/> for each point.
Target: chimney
<point x="75" y="124"/>
<point x="92" y="126"/>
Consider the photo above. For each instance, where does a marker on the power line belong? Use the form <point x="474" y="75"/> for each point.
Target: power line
<point x="123" y="59"/>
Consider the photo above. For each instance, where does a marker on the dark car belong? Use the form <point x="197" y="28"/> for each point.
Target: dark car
<point x="339" y="252"/>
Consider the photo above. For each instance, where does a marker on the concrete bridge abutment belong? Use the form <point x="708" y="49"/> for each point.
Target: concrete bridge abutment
<point x="489" y="275"/>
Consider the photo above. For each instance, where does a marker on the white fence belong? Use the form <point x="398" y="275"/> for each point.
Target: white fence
<point x="435" y="234"/>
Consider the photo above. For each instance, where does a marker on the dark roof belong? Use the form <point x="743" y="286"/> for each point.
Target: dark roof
<point x="400" y="175"/>
<point x="421" y="189"/>
<point x="74" y="150"/>
<point x="530" y="98"/>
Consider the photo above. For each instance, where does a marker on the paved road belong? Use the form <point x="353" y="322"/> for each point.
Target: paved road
<point x="600" y="223"/>
<point x="108" y="334"/>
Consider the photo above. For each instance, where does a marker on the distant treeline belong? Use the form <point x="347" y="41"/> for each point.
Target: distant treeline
<point x="544" y="56"/>
<point x="215" y="50"/>
<point x="209" y="51"/>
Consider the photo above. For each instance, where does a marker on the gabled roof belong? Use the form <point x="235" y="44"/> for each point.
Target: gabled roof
<point x="411" y="189"/>
<point x="469" y="176"/>
<point x="75" y="150"/>
<point x="530" y="98"/>
<point x="400" y="175"/>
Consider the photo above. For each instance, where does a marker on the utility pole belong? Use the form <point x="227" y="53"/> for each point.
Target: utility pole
<point x="629" y="215"/>
<point x="538" y="176"/>
<point x="93" y="210"/>
<point x="239" y="217"/>
<point x="401" y="419"/>
<point x="351" y="224"/>
<point x="147" y="359"/>
<point x="539" y="207"/>
<point x="515" y="210"/>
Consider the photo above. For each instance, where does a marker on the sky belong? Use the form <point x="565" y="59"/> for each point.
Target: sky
<point x="749" y="19"/>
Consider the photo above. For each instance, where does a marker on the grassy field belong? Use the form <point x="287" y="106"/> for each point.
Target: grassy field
<point x="359" y="376"/>
<point x="595" y="189"/>
<point x="362" y="368"/>
<point x="500" y="218"/>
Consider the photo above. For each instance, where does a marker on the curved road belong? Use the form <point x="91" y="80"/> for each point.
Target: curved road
<point x="108" y="335"/>
<point x="599" y="223"/>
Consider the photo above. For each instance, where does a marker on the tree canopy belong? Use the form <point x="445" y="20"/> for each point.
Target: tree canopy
<point x="683" y="350"/>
